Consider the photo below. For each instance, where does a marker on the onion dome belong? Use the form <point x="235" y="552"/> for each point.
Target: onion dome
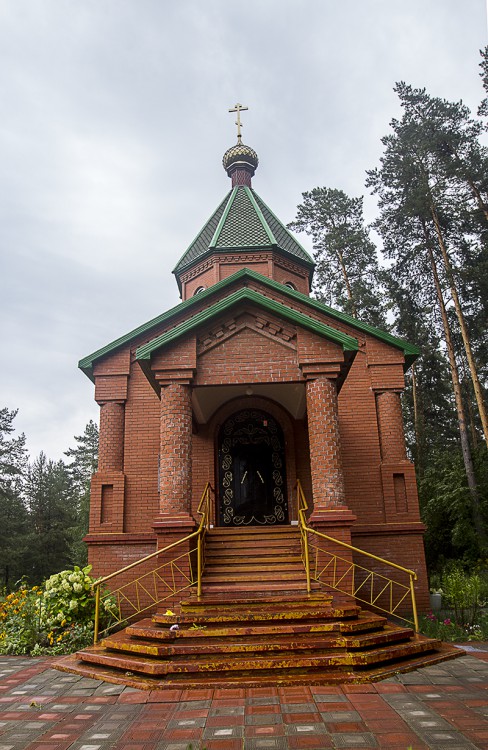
<point x="240" y="162"/>
<point x="240" y="154"/>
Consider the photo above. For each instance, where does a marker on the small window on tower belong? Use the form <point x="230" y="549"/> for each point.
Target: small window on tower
<point x="290" y="285"/>
<point x="198" y="290"/>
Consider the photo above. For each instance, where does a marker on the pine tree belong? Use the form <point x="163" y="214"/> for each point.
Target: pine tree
<point x="83" y="464"/>
<point x="52" y="508"/>
<point x="437" y="144"/>
<point x="426" y="205"/>
<point x="13" y="513"/>
<point x="347" y="271"/>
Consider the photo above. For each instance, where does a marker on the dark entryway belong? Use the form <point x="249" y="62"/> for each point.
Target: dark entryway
<point x="252" y="478"/>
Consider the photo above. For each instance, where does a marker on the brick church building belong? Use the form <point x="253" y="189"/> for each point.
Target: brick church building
<point x="250" y="384"/>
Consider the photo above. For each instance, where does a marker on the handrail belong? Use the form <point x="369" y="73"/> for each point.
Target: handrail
<point x="304" y="528"/>
<point x="204" y="511"/>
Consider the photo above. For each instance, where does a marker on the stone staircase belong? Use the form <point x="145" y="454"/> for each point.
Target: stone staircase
<point x="255" y="625"/>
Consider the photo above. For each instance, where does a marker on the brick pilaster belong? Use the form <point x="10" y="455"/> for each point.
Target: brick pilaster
<point x="111" y="443"/>
<point x="390" y="426"/>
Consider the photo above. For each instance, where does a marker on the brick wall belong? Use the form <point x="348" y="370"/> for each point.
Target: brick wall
<point x="379" y="486"/>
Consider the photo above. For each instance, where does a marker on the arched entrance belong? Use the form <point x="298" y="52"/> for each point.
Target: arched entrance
<point x="251" y="470"/>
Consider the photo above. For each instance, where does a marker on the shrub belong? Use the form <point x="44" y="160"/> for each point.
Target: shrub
<point x="55" y="618"/>
<point x="463" y="594"/>
<point x="20" y="620"/>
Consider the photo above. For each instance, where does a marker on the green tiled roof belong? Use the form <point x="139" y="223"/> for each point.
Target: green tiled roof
<point x="245" y="294"/>
<point x="242" y="221"/>
<point x="410" y="351"/>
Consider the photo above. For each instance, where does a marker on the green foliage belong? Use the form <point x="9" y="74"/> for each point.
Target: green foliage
<point x="14" y="526"/>
<point x="443" y="628"/>
<point x="464" y="591"/>
<point x="20" y="626"/>
<point x="84" y="463"/>
<point x="67" y="598"/>
<point x="446" y="508"/>
<point x="52" y="515"/>
<point x="465" y="594"/>
<point x="55" y="618"/>
<point x="347" y="272"/>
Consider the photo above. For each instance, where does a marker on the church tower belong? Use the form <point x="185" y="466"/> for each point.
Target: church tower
<point x="251" y="387"/>
<point x="243" y="233"/>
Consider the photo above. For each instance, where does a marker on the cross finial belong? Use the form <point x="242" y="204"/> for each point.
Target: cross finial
<point x="238" y="108"/>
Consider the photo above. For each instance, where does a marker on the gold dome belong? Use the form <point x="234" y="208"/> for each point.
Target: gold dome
<point x="240" y="155"/>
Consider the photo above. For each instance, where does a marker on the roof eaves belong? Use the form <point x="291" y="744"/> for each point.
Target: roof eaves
<point x="249" y="295"/>
<point x="86" y="364"/>
<point x="410" y="350"/>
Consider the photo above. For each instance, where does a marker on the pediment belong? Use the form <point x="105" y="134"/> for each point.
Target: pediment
<point x="269" y="327"/>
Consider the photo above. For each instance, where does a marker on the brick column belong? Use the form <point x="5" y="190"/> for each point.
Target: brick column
<point x="390" y="426"/>
<point x="330" y="514"/>
<point x="325" y="449"/>
<point x="111" y="444"/>
<point x="175" y="463"/>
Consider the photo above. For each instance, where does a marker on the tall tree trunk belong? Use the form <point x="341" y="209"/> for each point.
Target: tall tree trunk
<point x="416" y="420"/>
<point x="462" y="324"/>
<point x="466" y="450"/>
<point x="347" y="283"/>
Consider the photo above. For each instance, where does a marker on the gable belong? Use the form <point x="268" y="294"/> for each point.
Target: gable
<point x="348" y="343"/>
<point x="194" y="305"/>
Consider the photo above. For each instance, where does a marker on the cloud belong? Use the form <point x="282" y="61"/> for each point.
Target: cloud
<point x="114" y="122"/>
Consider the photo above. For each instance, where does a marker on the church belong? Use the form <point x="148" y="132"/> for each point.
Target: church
<point x="253" y="388"/>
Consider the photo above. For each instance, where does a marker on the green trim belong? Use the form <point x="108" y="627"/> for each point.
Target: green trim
<point x="290" y="235"/>
<point x="348" y="343"/>
<point x="294" y="249"/>
<point x="410" y="351"/>
<point x="223" y="219"/>
<point x="260" y="216"/>
<point x="202" y="230"/>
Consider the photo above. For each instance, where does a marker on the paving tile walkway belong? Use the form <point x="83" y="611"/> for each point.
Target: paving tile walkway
<point x="443" y="707"/>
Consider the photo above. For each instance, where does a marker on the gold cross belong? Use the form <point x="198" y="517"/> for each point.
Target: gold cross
<point x="238" y="108"/>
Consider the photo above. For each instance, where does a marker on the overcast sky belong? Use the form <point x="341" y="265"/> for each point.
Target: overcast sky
<point x="113" y="122"/>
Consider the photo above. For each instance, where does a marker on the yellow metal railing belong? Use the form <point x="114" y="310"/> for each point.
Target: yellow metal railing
<point x="140" y="594"/>
<point x="346" y="576"/>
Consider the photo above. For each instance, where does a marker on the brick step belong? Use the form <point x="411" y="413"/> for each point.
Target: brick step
<point x="364" y="624"/>
<point x="254" y="661"/>
<point x="271" y="563"/>
<point x="284" y="599"/>
<point x="249" y="573"/>
<point x="248" y="588"/>
<point x="255" y="679"/>
<point x="214" y="561"/>
<point x="252" y="549"/>
<point x="209" y="615"/>
<point x="258" y="644"/>
<point x="253" y="552"/>
<point x="254" y="531"/>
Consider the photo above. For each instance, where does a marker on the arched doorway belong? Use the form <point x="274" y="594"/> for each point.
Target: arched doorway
<point x="251" y="470"/>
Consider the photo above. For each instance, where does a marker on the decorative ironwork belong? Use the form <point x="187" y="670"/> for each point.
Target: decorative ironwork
<point x="252" y="428"/>
<point x="348" y="577"/>
<point x="141" y="594"/>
